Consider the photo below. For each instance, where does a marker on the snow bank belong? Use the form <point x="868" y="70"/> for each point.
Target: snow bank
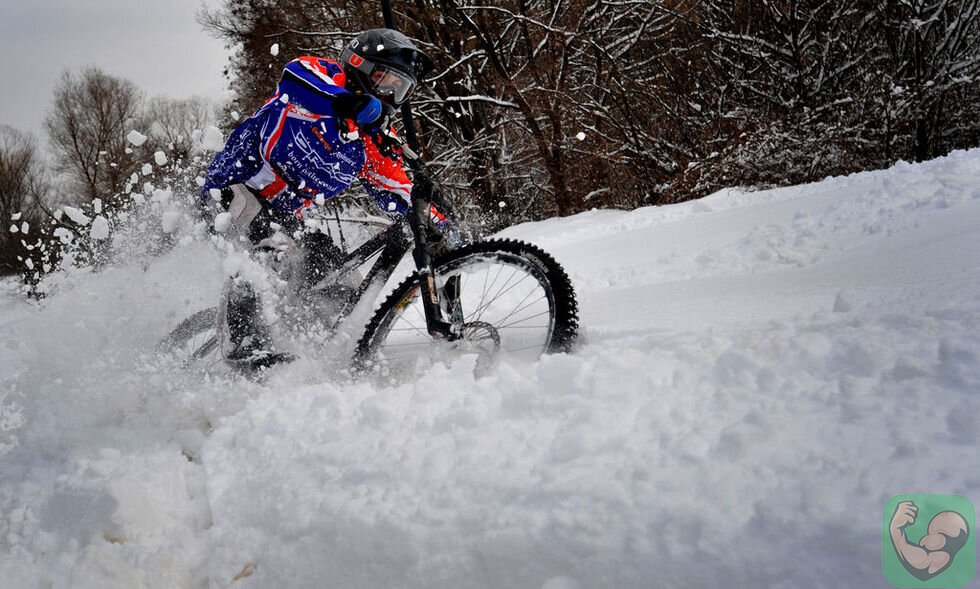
<point x="759" y="373"/>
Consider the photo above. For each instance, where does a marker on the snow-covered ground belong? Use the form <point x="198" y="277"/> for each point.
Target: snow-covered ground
<point x="759" y="372"/>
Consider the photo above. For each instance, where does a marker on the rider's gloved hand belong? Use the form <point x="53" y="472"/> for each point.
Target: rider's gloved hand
<point x="387" y="142"/>
<point x="363" y="109"/>
<point x="373" y="119"/>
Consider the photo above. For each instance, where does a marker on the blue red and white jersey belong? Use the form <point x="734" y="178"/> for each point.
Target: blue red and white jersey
<point x="294" y="150"/>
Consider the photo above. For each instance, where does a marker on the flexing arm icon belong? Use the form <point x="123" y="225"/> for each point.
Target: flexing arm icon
<point x="947" y="534"/>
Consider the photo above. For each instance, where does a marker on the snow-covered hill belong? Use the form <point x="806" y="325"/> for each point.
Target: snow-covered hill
<point x="759" y="373"/>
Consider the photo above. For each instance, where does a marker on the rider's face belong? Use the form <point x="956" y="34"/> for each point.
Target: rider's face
<point x="389" y="82"/>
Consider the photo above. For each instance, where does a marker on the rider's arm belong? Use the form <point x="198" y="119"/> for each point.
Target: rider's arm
<point x="317" y="85"/>
<point x="385" y="180"/>
<point x="388" y="184"/>
<point x="313" y="83"/>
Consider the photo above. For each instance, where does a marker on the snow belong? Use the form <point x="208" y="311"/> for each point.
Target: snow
<point x="222" y="222"/>
<point x="136" y="138"/>
<point x="160" y="158"/>
<point x="759" y="372"/>
<point x="274" y="50"/>
<point x="169" y="221"/>
<point x="213" y="139"/>
<point x="100" y="228"/>
<point x="77" y="216"/>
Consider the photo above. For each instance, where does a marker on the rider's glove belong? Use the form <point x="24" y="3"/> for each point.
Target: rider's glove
<point x="387" y="142"/>
<point x="373" y="119"/>
<point x="363" y="109"/>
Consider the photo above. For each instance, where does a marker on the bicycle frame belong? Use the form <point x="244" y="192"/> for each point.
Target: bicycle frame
<point x="393" y="244"/>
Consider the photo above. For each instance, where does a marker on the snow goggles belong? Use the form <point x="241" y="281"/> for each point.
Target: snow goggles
<point x="387" y="81"/>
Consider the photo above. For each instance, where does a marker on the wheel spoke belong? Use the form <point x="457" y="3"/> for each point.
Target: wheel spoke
<point x="482" y="309"/>
<point x="512" y="323"/>
<point x="521" y="309"/>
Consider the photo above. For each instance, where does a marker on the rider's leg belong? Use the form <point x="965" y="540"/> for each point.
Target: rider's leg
<point x="249" y="335"/>
<point x="320" y="257"/>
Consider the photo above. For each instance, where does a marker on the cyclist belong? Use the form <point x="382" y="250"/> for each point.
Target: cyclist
<point x="327" y="125"/>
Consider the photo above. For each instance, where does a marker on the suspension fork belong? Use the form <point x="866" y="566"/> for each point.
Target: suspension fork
<point x="423" y="255"/>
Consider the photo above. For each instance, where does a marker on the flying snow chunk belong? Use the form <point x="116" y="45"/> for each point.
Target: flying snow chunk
<point x="232" y="265"/>
<point x="97" y="205"/>
<point x="14" y="229"/>
<point x="77" y="216"/>
<point x="147" y="169"/>
<point x="136" y="138"/>
<point x="580" y="136"/>
<point x="25" y="228"/>
<point x="100" y="228"/>
<point x="213" y="140"/>
<point x="274" y="50"/>
<point x="170" y="221"/>
<point x="160" y="158"/>
<point x="222" y="222"/>
<point x="215" y="194"/>
<point x="16" y="216"/>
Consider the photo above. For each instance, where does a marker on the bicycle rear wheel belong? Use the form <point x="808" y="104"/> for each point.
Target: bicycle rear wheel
<point x="195" y="341"/>
<point x="514" y="300"/>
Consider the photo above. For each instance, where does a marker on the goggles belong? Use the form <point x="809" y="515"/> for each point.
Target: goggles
<point x="390" y="82"/>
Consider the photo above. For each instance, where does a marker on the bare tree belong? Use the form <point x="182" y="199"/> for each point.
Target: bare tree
<point x="174" y="128"/>
<point x="87" y="127"/>
<point x="175" y="124"/>
<point x="22" y="186"/>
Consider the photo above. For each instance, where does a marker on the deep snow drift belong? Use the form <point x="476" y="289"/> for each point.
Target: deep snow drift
<point x="759" y="373"/>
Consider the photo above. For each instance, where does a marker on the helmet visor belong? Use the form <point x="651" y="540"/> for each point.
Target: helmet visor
<point x="387" y="81"/>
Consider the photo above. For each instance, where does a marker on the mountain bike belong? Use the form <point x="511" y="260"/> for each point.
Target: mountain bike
<point x="493" y="298"/>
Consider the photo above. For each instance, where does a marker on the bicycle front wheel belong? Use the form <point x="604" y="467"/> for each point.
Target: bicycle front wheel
<point x="506" y="298"/>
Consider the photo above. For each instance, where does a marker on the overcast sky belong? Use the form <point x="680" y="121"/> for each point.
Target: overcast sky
<point x="155" y="43"/>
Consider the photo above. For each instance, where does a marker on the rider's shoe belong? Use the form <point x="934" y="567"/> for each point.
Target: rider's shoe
<point x="251" y="359"/>
<point x="248" y="334"/>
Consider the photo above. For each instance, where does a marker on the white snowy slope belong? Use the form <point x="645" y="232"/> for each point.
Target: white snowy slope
<point x="759" y="372"/>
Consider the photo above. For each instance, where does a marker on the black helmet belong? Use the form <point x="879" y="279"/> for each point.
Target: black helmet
<point x="385" y="63"/>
